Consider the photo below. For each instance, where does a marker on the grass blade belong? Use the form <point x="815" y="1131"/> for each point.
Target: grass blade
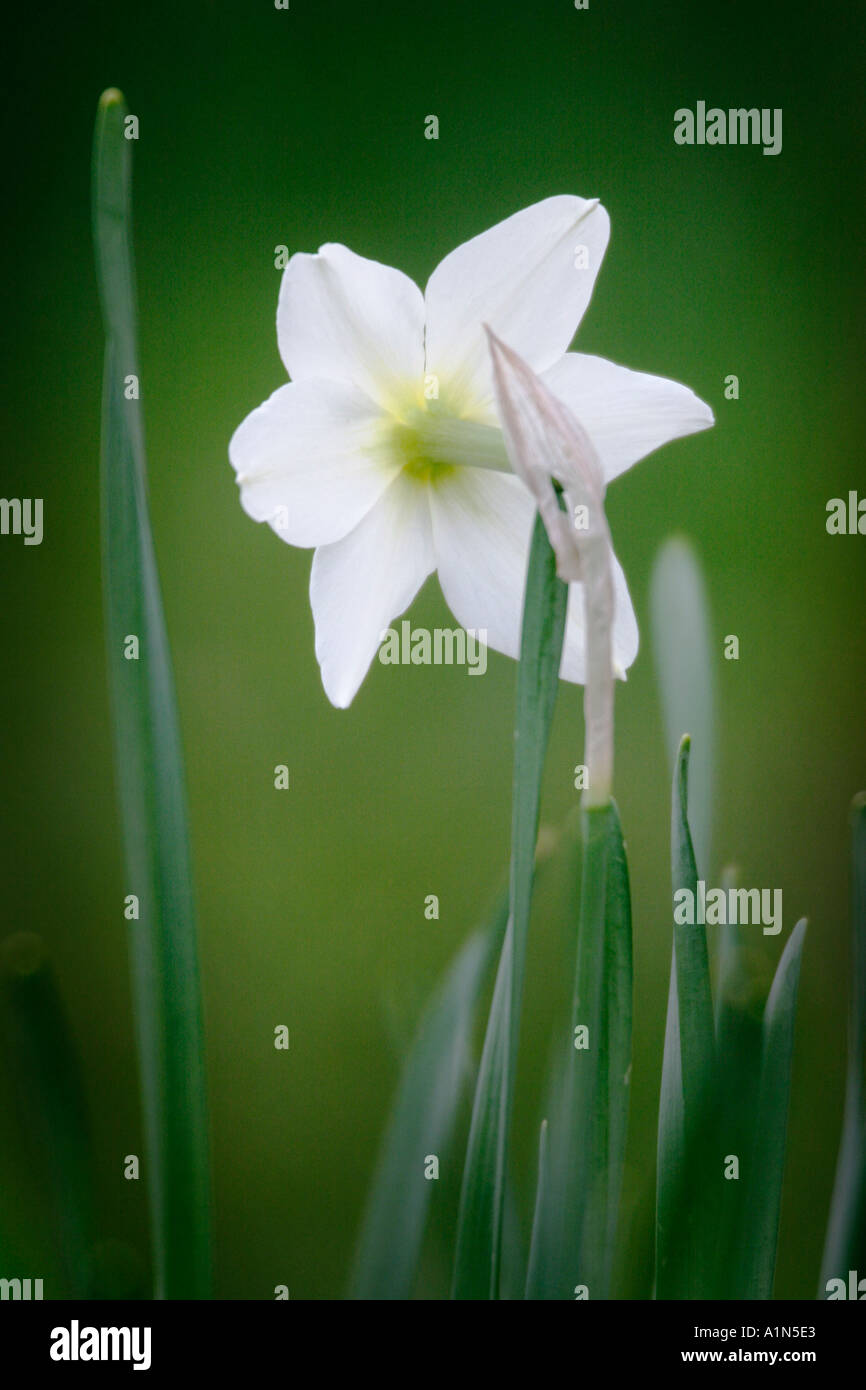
<point x="165" y="977"/>
<point x="479" y="1227"/>
<point x="685" y="1240"/>
<point x="422" y="1122"/>
<point x="767" y="1165"/>
<point x="846" y="1234"/>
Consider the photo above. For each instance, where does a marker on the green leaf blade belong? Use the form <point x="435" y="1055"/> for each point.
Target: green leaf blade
<point x="533" y="1268"/>
<point x="479" y="1228"/>
<point x="422" y="1122"/>
<point x="148" y="759"/>
<point x="767" y="1165"/>
<point x="694" y="995"/>
<point x="740" y="1005"/>
<point x="580" y="1203"/>
<point x="482" y="1196"/>
<point x="685" y="1214"/>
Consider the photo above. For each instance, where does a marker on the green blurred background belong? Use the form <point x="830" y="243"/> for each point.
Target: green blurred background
<point x="261" y="127"/>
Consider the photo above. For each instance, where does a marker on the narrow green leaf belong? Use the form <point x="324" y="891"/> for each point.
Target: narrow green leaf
<point x="767" y="1163"/>
<point x="422" y="1122"/>
<point x="476" y="1267"/>
<point x="846" y="1234"/>
<point x="164" y="966"/>
<point x="694" y="996"/>
<point x="685" y="1214"/>
<point x="741" y="998"/>
<point x="479" y="1228"/>
<point x="578" y="1217"/>
<point x="742" y="989"/>
<point x="671" y="1253"/>
<point x="682" y="636"/>
<point x="617" y="1000"/>
<point x="512" y="1272"/>
<point x="533" y="1266"/>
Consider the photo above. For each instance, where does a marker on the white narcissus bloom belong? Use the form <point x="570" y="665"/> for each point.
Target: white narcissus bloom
<point x="384" y="451"/>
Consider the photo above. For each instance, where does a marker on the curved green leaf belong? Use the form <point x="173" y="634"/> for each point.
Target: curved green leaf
<point x="767" y="1167"/>
<point x="423" y="1122"/>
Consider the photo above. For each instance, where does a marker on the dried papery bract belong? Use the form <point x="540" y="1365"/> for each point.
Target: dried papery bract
<point x="548" y="446"/>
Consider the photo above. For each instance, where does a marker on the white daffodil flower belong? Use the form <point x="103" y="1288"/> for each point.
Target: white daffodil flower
<point x="384" y="451"/>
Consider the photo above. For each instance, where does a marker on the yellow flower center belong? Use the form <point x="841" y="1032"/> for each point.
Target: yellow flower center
<point x="432" y="443"/>
<point x="417" y="451"/>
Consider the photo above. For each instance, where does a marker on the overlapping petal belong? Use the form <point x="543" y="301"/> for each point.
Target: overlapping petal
<point x="350" y="319"/>
<point x="625" y="636"/>
<point x="530" y="278"/>
<point x="312" y="461"/>
<point x="626" y="414"/>
<point x="361" y="583"/>
<point x="482" y="527"/>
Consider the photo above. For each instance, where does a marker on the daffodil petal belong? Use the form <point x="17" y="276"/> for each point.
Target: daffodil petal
<point x="482" y="526"/>
<point x="626" y="414"/>
<point x="625" y="639"/>
<point x="530" y="278"/>
<point x="353" y="320"/>
<point x="312" y="461"/>
<point x="361" y="583"/>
